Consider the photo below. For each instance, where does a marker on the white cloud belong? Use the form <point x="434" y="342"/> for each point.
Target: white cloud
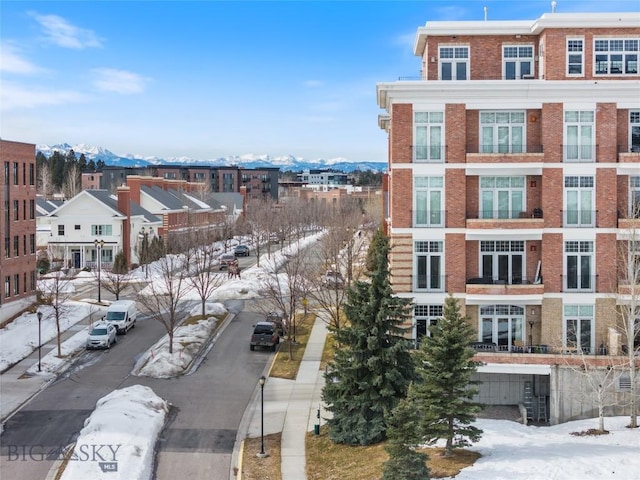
<point x="63" y="34"/>
<point x="12" y="62"/>
<point x="13" y="96"/>
<point x="119" y="81"/>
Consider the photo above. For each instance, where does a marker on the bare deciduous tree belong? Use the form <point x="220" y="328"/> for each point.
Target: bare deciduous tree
<point x="45" y="180"/>
<point x="72" y="183"/>
<point x="204" y="277"/>
<point x="114" y="283"/>
<point x="56" y="290"/>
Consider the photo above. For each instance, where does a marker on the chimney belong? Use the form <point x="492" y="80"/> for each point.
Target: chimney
<point x="124" y="205"/>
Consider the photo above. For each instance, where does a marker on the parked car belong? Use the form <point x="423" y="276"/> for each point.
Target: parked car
<point x="102" y="335"/>
<point x="241" y="251"/>
<point x="226" y="259"/>
<point x="276" y="317"/>
<point x="264" y="335"/>
<point x="333" y="279"/>
<point x="122" y="314"/>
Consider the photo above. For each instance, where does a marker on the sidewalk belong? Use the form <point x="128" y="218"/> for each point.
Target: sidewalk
<point x="290" y="407"/>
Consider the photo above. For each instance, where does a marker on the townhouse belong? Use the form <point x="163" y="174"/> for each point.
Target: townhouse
<point x="513" y="183"/>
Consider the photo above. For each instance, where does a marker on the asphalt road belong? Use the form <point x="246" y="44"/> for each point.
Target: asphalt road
<point x="207" y="406"/>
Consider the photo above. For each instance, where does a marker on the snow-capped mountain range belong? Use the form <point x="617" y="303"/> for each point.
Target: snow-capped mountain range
<point x="285" y="163"/>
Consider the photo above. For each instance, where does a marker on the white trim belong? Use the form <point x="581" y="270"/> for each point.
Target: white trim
<point x="515" y="368"/>
<point x="493" y="299"/>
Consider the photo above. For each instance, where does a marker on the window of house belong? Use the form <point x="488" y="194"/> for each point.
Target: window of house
<point x="429" y="266"/>
<point x="16" y="284"/>
<point x="578" y="334"/>
<point x="579" y="200"/>
<point x="575" y="57"/>
<point x="616" y="56"/>
<point x="32" y="243"/>
<point x="428" y="196"/>
<point x="24" y="209"/>
<point x="425" y="317"/>
<point x="634" y="131"/>
<point x="517" y="61"/>
<point x="7" y="286"/>
<point x="32" y="209"/>
<point x="101" y="230"/>
<point x="502" y="197"/>
<point x="454" y="63"/>
<point x="579" y="263"/>
<point x="32" y="280"/>
<point x="634" y="197"/>
<point x="16" y="245"/>
<point x="24" y="245"/>
<point x="633" y="272"/>
<point x="16" y="208"/>
<point x="428" y="133"/>
<point x="502" y="261"/>
<point x="6" y="173"/>
<point x="32" y="174"/>
<point x="502" y="132"/>
<point x="15" y="173"/>
<point x="579" y="134"/>
<point x="502" y="325"/>
<point x="61" y="230"/>
<point x="7" y="247"/>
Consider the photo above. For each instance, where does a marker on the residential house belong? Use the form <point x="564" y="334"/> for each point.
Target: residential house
<point x="513" y="166"/>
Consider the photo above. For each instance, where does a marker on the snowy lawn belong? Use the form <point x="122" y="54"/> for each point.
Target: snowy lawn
<point x="118" y="439"/>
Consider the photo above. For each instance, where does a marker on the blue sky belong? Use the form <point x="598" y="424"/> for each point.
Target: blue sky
<point x="206" y="79"/>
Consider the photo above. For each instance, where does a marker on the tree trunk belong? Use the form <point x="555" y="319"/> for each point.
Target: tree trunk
<point x="171" y="341"/>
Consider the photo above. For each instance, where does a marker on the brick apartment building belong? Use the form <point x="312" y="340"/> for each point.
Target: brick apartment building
<point x="513" y="175"/>
<point x="18" y="226"/>
<point x="258" y="183"/>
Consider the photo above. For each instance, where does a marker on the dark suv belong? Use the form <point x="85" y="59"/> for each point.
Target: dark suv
<point x="264" y="335"/>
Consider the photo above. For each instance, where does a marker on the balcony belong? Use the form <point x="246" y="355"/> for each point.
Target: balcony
<point x="509" y="286"/>
<point x="515" y="153"/>
<point x="505" y="219"/>
<point x="628" y="153"/>
<point x="632" y="222"/>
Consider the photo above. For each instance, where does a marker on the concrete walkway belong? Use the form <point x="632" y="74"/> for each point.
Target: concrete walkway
<point x="291" y="406"/>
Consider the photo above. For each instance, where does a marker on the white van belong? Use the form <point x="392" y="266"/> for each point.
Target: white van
<point x="122" y="314"/>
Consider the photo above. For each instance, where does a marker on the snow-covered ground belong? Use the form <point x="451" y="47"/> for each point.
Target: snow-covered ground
<point x="118" y="439"/>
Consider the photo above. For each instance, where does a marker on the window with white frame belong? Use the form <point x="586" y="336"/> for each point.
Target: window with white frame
<point x="579" y="199"/>
<point x="502" y="325"/>
<point x="429" y="266"/>
<point x="61" y="230"/>
<point x="106" y="255"/>
<point x="578" y="335"/>
<point x="517" y="61"/>
<point x="428" y="197"/>
<point x="575" y="57"/>
<point x="425" y="317"/>
<point x="502" y="261"/>
<point x="616" y="56"/>
<point x="454" y="63"/>
<point x="427" y="134"/>
<point x="633" y="273"/>
<point x="634" y="197"/>
<point x="105" y="230"/>
<point x="502" y="197"/>
<point x="502" y="132"/>
<point x="578" y="257"/>
<point x="579" y="134"/>
<point x="634" y="131"/>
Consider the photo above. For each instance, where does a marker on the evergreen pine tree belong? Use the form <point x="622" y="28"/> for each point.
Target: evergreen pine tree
<point x="442" y="397"/>
<point x="372" y="366"/>
<point x="120" y="264"/>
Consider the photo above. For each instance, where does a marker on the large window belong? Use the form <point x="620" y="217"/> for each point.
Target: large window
<point x="634" y="197"/>
<point x="633" y="273"/>
<point x="502" y="261"/>
<point x="616" y="56"/>
<point x="101" y="230"/>
<point x="575" y="57"/>
<point x="425" y="317"/>
<point x="429" y="266"/>
<point x="454" y="63"/>
<point x="634" y="131"/>
<point x="502" y="132"/>
<point x="502" y="197"/>
<point x="517" y="61"/>
<point x="428" y="194"/>
<point x="578" y="328"/>
<point x="579" y="134"/>
<point x="502" y="325"/>
<point x="579" y="266"/>
<point x="428" y="133"/>
<point x="579" y="200"/>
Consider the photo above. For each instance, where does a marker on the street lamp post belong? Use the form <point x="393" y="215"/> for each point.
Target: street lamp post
<point x="39" y="314"/>
<point x="99" y="244"/>
<point x="262" y="453"/>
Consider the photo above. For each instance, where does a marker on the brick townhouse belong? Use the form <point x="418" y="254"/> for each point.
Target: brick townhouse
<point x="513" y="180"/>
<point x="17" y="227"/>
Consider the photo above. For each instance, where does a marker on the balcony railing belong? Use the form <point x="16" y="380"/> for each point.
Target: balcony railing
<point x="511" y="280"/>
<point x="579" y="153"/>
<point x="429" y="153"/>
<point x="579" y="283"/>
<point x="510" y="149"/>
<point x="628" y="148"/>
<point x="505" y="214"/>
<point x="579" y="218"/>
<point x="429" y="219"/>
<point x="524" y="76"/>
